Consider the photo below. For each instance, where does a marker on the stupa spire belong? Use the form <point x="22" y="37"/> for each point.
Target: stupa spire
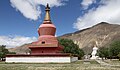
<point x="47" y="16"/>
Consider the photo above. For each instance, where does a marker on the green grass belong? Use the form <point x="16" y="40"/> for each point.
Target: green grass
<point x="94" y="62"/>
<point x="79" y="65"/>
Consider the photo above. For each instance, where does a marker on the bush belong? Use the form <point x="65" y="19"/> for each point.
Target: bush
<point x="114" y="49"/>
<point x="103" y="52"/>
<point x="70" y="47"/>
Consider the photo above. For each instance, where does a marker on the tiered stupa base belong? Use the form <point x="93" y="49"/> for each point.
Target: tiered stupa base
<point x="42" y="58"/>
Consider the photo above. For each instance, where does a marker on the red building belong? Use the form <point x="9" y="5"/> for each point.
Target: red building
<point x="47" y="42"/>
<point x="46" y="49"/>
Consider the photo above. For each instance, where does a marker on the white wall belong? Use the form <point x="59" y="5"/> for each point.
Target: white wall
<point x="42" y="59"/>
<point x="39" y="59"/>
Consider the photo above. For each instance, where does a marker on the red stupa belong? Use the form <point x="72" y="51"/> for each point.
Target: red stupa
<point x="47" y="42"/>
<point x="47" y="49"/>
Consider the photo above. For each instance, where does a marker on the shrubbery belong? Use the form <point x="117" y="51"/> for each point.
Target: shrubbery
<point x="112" y="52"/>
<point x="4" y="51"/>
<point x="71" y="47"/>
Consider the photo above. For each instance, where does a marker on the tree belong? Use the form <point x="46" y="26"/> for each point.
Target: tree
<point x="70" y="47"/>
<point x="103" y="52"/>
<point x="3" y="52"/>
<point x="115" y="48"/>
<point x="119" y="56"/>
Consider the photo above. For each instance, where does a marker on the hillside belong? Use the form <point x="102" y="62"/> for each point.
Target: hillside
<point x="102" y="33"/>
<point x="20" y="50"/>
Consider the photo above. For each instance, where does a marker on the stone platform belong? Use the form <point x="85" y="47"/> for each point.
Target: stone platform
<point x="42" y="58"/>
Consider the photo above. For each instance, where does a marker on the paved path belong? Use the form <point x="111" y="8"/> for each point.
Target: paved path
<point x="101" y="62"/>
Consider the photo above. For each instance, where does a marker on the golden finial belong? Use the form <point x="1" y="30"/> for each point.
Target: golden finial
<point x="47" y="16"/>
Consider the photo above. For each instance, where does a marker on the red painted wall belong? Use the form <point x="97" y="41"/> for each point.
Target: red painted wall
<point x="45" y="50"/>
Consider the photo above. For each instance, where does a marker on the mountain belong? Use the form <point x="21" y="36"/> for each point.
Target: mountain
<point x="20" y="49"/>
<point x="100" y="35"/>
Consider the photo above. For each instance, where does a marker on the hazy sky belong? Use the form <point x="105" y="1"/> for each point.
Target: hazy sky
<point x="19" y="19"/>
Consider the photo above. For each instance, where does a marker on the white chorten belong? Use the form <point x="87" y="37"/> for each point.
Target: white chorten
<point x="94" y="52"/>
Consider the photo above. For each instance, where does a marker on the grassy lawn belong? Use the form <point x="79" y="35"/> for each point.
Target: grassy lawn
<point x="79" y="65"/>
<point x="113" y="62"/>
